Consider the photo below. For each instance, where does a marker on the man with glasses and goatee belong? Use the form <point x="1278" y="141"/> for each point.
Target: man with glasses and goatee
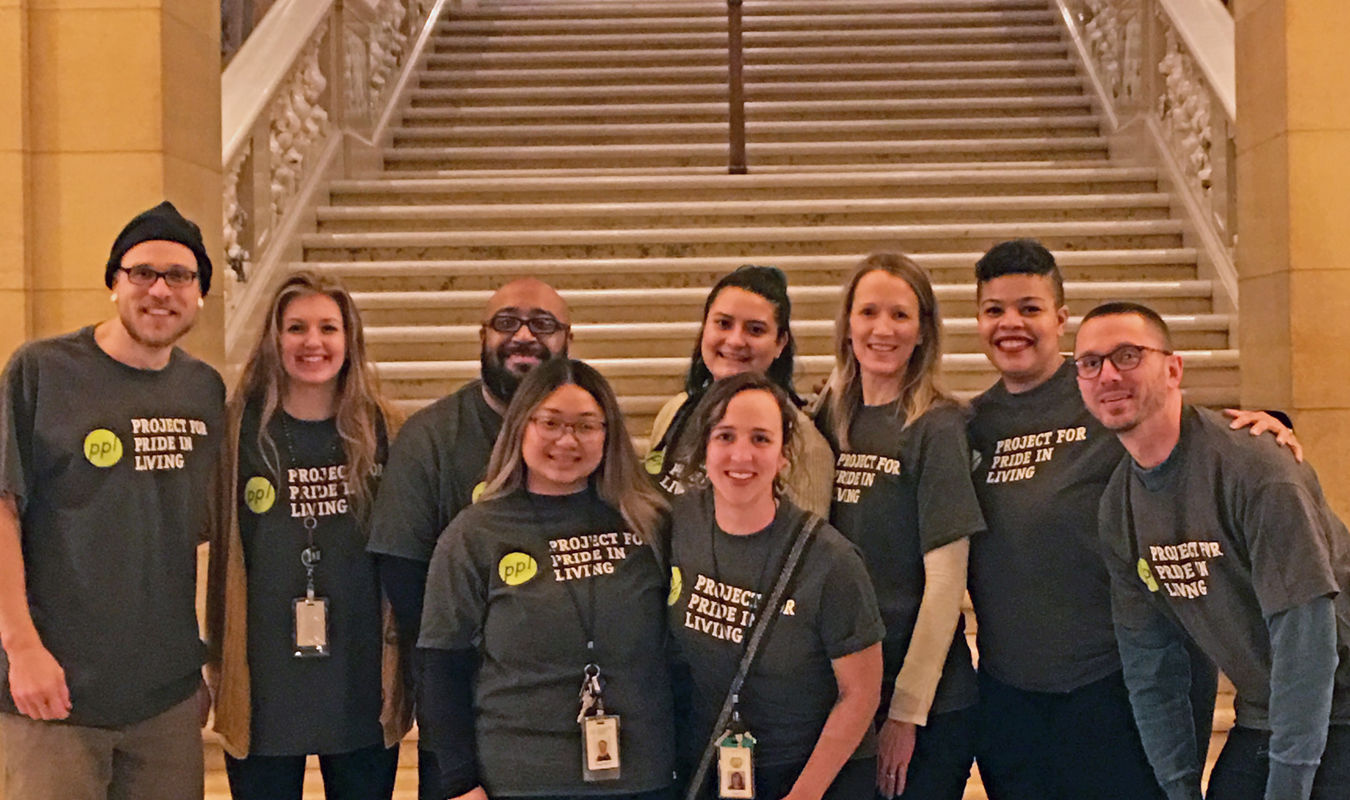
<point x="1216" y="537"/>
<point x="108" y="438"/>
<point x="437" y="462"/>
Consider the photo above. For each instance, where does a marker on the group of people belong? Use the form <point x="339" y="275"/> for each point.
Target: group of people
<point x="766" y="605"/>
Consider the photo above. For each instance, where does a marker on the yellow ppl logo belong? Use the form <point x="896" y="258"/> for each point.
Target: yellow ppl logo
<point x="259" y="494"/>
<point x="517" y="568"/>
<point x="102" y="448"/>
<point x="1146" y="575"/>
<point x="477" y="491"/>
<point x="654" y="461"/>
<point x="676" y="586"/>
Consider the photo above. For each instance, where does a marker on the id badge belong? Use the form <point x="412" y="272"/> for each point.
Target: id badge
<point x="600" y="748"/>
<point x="311" y="627"/>
<point x="736" y="766"/>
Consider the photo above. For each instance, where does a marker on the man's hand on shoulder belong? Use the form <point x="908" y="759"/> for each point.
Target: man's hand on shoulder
<point x="38" y="683"/>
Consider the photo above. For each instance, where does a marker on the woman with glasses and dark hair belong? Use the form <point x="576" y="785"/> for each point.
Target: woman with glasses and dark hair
<point x="302" y="657"/>
<point x="746" y="328"/>
<point x="551" y="589"/>
<point x="903" y="495"/>
<point x="802" y="725"/>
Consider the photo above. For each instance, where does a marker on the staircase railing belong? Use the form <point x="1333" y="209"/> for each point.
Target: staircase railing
<point x="1163" y="72"/>
<point x="735" y="90"/>
<point x="307" y="97"/>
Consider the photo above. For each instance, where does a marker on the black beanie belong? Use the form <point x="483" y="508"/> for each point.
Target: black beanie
<point x="162" y="223"/>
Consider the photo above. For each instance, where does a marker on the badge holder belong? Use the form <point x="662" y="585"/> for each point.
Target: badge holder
<point x="310" y="632"/>
<point x="736" y="761"/>
<point x="600" y="760"/>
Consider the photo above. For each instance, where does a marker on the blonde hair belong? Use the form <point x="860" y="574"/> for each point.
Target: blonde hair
<point x="921" y="386"/>
<point x="619" y="479"/>
<point x="360" y="407"/>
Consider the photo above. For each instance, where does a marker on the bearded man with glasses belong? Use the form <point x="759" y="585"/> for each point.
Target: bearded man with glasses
<point x="1223" y="539"/>
<point x="437" y="464"/>
<point x="108" y="439"/>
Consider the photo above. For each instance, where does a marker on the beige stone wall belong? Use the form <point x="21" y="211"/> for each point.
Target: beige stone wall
<point x="1293" y="150"/>
<point x="106" y="108"/>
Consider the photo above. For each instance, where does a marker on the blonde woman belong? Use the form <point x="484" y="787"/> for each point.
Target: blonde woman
<point x="550" y="588"/>
<point x="903" y="495"/>
<point x="298" y="655"/>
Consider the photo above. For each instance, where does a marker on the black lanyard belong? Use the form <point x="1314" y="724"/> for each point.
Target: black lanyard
<point x="310" y="556"/>
<point x="586" y="618"/>
<point x="714" y="529"/>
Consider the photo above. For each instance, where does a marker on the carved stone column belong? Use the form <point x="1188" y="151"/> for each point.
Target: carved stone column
<point x="1293" y="250"/>
<point x="122" y="111"/>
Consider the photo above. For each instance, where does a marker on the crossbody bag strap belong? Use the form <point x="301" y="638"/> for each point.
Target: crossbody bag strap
<point x="763" y="622"/>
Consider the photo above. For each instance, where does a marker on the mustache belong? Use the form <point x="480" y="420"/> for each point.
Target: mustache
<point x="523" y="348"/>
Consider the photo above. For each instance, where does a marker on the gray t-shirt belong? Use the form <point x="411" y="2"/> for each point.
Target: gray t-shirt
<point x="526" y="580"/>
<point x="110" y="466"/>
<point x="1226" y="533"/>
<point x="830" y="611"/>
<point x="1040" y="588"/>
<point x="438" y="459"/>
<point x="900" y="492"/>
<point x="307" y="705"/>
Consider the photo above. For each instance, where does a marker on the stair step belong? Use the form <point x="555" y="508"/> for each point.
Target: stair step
<point x="670" y="40"/>
<point x="721" y="169"/>
<point x="1170" y="269"/>
<point x="757" y="131"/>
<point x="588" y="8"/>
<point x="582" y="25"/>
<point x="816" y="185"/>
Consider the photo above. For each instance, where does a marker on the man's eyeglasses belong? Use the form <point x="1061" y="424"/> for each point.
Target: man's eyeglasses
<point x="554" y="427"/>
<point x="541" y="325"/>
<point x="146" y="275"/>
<point x="1123" y="358"/>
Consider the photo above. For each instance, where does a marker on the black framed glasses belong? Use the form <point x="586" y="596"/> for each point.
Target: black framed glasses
<point x="1123" y="358"/>
<point x="539" y="325"/>
<point x="146" y="275"/>
<point x="555" y="427"/>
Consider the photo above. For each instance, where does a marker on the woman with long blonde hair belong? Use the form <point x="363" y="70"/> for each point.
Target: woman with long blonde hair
<point x="299" y="656"/>
<point x="543" y="629"/>
<point x="903" y="495"/>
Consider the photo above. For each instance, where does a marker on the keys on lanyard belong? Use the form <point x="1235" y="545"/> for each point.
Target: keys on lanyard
<point x="310" y="633"/>
<point x="599" y="731"/>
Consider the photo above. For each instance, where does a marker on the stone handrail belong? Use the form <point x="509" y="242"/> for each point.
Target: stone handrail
<point x="1164" y="69"/>
<point x="309" y="95"/>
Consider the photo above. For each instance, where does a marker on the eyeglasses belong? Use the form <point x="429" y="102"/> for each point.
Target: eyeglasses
<point x="1123" y="358"/>
<point x="541" y="325"/>
<point x="146" y="275"/>
<point x="553" y="427"/>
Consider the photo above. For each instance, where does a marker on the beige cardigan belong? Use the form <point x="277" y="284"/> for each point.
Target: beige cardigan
<point x="227" y="618"/>
<point x="810" y="470"/>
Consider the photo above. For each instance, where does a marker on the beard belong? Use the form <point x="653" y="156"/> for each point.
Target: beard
<point x="148" y="338"/>
<point x="501" y="380"/>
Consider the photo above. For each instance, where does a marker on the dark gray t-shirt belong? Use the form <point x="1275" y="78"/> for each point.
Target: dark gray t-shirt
<point x="1037" y="579"/>
<point x="1226" y="533"/>
<point x="307" y="705"/>
<point x="437" y="461"/>
<point x="110" y="466"/>
<point x="522" y="579"/>
<point x="900" y="492"/>
<point x="718" y="579"/>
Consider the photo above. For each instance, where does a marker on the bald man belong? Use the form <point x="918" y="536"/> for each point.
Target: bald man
<point x="437" y="463"/>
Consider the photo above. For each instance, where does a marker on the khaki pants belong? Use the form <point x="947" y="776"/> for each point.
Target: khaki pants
<point x="158" y="759"/>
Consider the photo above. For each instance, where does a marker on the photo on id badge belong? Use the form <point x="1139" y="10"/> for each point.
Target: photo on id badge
<point x="600" y="745"/>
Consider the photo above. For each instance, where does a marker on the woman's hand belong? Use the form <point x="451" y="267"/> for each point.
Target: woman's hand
<point x="895" y="747"/>
<point x="476" y="793"/>
<point x="1260" y="422"/>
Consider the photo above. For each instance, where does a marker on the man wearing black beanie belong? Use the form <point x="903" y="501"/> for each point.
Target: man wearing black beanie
<point x="108" y="437"/>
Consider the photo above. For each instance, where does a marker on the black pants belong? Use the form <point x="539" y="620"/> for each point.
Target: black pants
<point x="943" y="753"/>
<point x="667" y="793"/>
<point x="856" y="780"/>
<point x="1240" y="772"/>
<point x="1078" y="745"/>
<point x="366" y="774"/>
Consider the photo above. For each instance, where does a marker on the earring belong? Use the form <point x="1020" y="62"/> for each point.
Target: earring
<point x="113" y="297"/>
<point x="201" y="301"/>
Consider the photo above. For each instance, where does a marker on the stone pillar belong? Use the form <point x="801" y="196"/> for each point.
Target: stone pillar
<point x="118" y="108"/>
<point x="1293" y="253"/>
